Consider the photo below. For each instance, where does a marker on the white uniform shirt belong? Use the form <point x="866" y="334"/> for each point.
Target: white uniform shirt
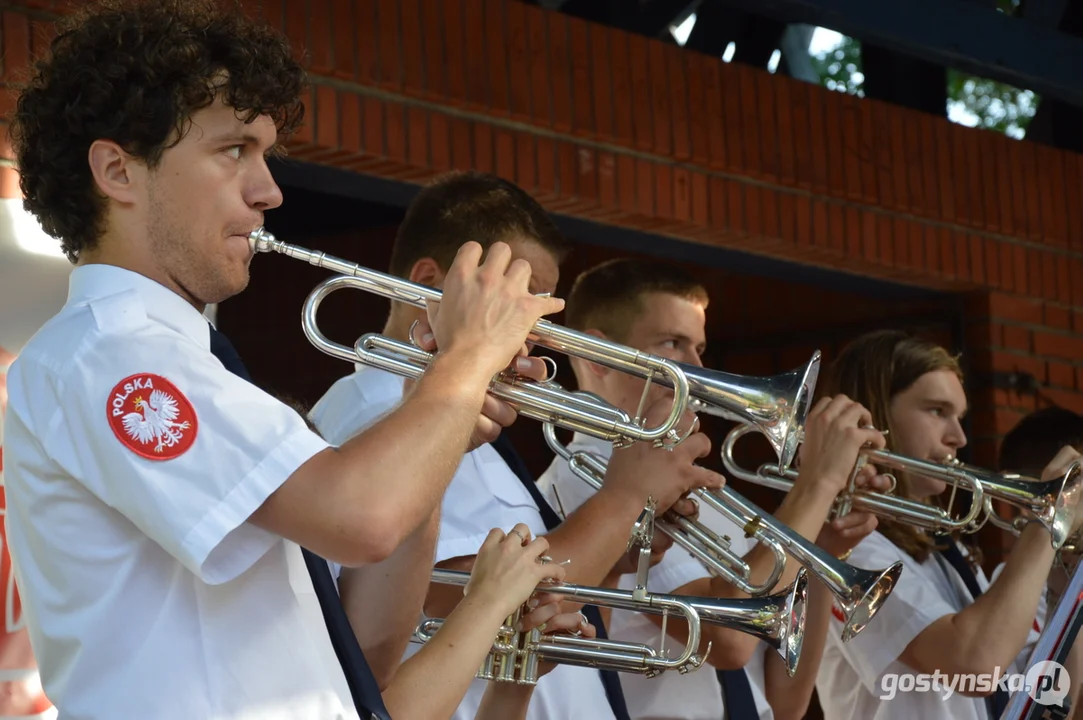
<point x="851" y="678"/>
<point x="352" y="404"/>
<point x="484" y="494"/>
<point x="146" y="592"/>
<point x="21" y="696"/>
<point x="697" y="695"/>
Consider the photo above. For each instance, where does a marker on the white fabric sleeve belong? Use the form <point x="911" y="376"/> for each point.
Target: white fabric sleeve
<point x="346" y="409"/>
<point x="914" y="605"/>
<point x="484" y="494"/>
<point x="194" y="497"/>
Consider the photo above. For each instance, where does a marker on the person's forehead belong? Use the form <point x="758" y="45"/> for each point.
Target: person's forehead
<point x="219" y="122"/>
<point x="665" y="312"/>
<point x="544" y="265"/>
<point x="940" y="386"/>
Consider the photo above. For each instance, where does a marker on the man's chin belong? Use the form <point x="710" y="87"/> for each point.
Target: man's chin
<point x="234" y="287"/>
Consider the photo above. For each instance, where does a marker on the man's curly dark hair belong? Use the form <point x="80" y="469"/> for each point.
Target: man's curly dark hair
<point x="134" y="72"/>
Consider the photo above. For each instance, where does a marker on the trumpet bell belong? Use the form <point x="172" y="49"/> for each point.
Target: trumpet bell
<point x="776" y="405"/>
<point x="869" y="590"/>
<point x="1053" y="502"/>
<point x="777" y="620"/>
<point x="1056" y="504"/>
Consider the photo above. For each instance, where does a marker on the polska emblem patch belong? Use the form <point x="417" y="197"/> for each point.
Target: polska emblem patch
<point x="151" y="417"/>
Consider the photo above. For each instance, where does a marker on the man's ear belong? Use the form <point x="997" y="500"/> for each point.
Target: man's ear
<point x="427" y="272"/>
<point x="594" y="369"/>
<point x="117" y="174"/>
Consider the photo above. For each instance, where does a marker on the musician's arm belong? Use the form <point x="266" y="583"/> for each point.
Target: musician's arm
<point x="328" y="504"/>
<point x="384" y="620"/>
<point x="789" y="697"/>
<point x="964" y="642"/>
<point x="505" y="701"/>
<point x="433" y="682"/>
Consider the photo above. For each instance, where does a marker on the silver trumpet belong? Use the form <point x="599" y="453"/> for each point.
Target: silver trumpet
<point x="912" y="512"/>
<point x="545" y="401"/>
<point x="1049" y="501"/>
<point x="515" y="655"/>
<point x="1052" y="502"/>
<point x="859" y="593"/>
<point x="775" y="405"/>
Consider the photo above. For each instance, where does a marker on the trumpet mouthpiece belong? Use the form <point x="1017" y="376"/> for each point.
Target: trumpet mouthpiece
<point x="261" y="241"/>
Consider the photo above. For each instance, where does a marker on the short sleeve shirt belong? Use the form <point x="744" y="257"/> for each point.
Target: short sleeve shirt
<point x="133" y="460"/>
<point x="851" y="681"/>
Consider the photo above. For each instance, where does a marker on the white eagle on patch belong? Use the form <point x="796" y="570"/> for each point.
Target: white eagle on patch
<point x="157" y="421"/>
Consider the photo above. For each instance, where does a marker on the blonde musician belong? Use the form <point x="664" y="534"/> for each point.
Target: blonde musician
<point x="659" y="309"/>
<point x="945" y="625"/>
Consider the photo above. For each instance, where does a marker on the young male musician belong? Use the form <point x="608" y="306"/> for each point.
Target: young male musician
<point x="491" y="487"/>
<point x="660" y="309"/>
<point x="157" y="500"/>
<point x="944" y="619"/>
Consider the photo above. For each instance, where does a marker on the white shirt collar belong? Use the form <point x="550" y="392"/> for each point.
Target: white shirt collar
<point x="88" y="282"/>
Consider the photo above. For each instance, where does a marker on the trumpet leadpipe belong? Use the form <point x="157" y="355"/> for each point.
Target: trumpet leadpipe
<point x="543" y="401"/>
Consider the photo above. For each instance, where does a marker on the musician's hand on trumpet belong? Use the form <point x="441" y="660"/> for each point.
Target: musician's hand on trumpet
<point x="837" y="428"/>
<point x="840" y="535"/>
<point x="551" y="619"/>
<point x="503" y="574"/>
<point x="1056" y="468"/>
<point x="495" y="413"/>
<point x="509" y="567"/>
<point x="487" y="311"/>
<point x="665" y="475"/>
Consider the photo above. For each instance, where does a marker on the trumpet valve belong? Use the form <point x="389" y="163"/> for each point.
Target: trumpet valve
<point x="528" y="659"/>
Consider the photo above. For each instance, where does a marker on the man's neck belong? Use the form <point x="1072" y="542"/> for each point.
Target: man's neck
<point x="400" y="321"/>
<point x="99" y="256"/>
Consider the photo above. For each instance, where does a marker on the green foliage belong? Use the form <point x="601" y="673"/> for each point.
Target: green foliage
<point x="840" y="68"/>
<point x="987" y="103"/>
<point x="997" y="106"/>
